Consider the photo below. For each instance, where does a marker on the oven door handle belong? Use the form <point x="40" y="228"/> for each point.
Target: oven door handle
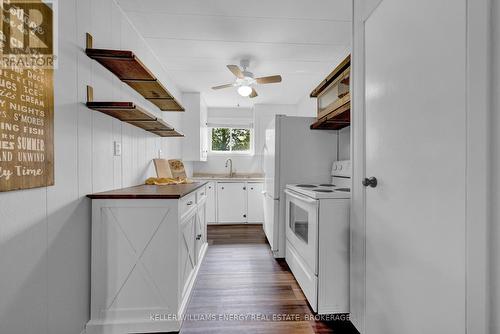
<point x="300" y="197"/>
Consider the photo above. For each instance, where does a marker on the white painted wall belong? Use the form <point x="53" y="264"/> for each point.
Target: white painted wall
<point x="45" y="232"/>
<point x="344" y="144"/>
<point x="307" y="106"/>
<point x="495" y="177"/>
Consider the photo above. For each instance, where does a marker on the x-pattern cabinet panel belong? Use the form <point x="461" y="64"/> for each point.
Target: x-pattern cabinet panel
<point x="146" y="254"/>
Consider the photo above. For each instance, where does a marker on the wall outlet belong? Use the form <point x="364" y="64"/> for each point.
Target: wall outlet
<point x="117" y="149"/>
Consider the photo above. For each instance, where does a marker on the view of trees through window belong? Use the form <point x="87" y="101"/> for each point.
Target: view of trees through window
<point x="231" y="140"/>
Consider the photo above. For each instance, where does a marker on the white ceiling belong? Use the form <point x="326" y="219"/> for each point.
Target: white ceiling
<point x="302" y="40"/>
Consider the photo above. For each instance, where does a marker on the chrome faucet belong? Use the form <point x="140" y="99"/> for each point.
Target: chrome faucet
<point x="230" y="163"/>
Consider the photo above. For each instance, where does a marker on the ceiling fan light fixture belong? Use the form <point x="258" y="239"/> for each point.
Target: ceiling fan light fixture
<point x="244" y="90"/>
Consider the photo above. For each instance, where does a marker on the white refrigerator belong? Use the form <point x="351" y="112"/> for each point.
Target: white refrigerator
<point x="293" y="153"/>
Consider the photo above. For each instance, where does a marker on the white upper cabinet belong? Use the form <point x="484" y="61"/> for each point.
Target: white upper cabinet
<point x="194" y="127"/>
<point x="255" y="203"/>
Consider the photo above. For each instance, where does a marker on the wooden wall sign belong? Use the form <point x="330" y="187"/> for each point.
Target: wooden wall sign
<point x="26" y="98"/>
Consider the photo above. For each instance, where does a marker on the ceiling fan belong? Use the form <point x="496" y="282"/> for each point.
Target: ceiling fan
<point x="245" y="80"/>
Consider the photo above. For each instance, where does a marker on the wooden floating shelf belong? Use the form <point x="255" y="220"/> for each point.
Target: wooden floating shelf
<point x="129" y="69"/>
<point x="334" y="92"/>
<point x="163" y="133"/>
<point x="345" y="64"/>
<point x="130" y="113"/>
<point x="337" y="120"/>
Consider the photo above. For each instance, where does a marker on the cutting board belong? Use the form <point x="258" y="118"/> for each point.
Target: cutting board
<point x="162" y="168"/>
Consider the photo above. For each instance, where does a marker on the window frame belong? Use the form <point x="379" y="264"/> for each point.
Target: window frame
<point x="250" y="152"/>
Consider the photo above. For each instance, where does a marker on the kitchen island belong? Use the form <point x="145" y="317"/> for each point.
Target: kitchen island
<point x="147" y="246"/>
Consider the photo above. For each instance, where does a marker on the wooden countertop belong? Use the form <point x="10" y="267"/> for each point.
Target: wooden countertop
<point x="150" y="192"/>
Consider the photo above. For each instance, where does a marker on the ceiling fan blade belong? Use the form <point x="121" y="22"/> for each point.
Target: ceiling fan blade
<point x="253" y="94"/>
<point x="269" y="79"/>
<point x="236" y="71"/>
<point x="223" y="86"/>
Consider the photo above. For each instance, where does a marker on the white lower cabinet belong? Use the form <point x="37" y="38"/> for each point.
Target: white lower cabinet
<point x="146" y="254"/>
<point x="255" y="207"/>
<point x="201" y="229"/>
<point x="211" y="203"/>
<point x="231" y="202"/>
<point x="187" y="253"/>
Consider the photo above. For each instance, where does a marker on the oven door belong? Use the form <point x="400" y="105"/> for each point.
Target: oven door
<point x="302" y="227"/>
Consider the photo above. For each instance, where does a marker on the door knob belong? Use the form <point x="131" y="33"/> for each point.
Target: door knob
<point x="372" y="182"/>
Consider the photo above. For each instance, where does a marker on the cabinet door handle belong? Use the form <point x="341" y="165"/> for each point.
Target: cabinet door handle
<point x="222" y="188"/>
<point x="189" y="203"/>
<point x="251" y="188"/>
<point x="244" y="216"/>
<point x="244" y="188"/>
<point x="198" y="237"/>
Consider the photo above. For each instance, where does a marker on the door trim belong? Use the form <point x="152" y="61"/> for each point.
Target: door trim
<point x="477" y="206"/>
<point x="478" y="161"/>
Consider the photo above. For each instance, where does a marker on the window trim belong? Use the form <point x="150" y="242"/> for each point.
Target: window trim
<point x="250" y="152"/>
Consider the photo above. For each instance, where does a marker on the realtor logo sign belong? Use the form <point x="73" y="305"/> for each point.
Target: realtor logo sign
<point x="27" y="36"/>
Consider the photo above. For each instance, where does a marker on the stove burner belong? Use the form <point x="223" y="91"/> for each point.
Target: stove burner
<point x="323" y="190"/>
<point x="327" y="185"/>
<point x="343" y="189"/>
<point x="306" y="186"/>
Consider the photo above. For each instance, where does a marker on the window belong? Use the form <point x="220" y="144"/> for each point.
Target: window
<point x="231" y="140"/>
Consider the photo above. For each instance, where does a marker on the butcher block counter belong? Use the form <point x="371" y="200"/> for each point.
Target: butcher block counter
<point x="173" y="191"/>
<point x="148" y="243"/>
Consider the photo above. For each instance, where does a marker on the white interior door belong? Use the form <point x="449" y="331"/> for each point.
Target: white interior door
<point x="415" y="109"/>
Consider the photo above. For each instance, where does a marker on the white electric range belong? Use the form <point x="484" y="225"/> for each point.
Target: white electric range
<point x="317" y="239"/>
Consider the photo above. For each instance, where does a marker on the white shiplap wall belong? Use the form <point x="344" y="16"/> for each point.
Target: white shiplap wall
<point x="45" y="232"/>
<point x="494" y="235"/>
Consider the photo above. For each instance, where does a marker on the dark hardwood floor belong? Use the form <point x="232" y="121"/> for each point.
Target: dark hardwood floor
<point x="241" y="288"/>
